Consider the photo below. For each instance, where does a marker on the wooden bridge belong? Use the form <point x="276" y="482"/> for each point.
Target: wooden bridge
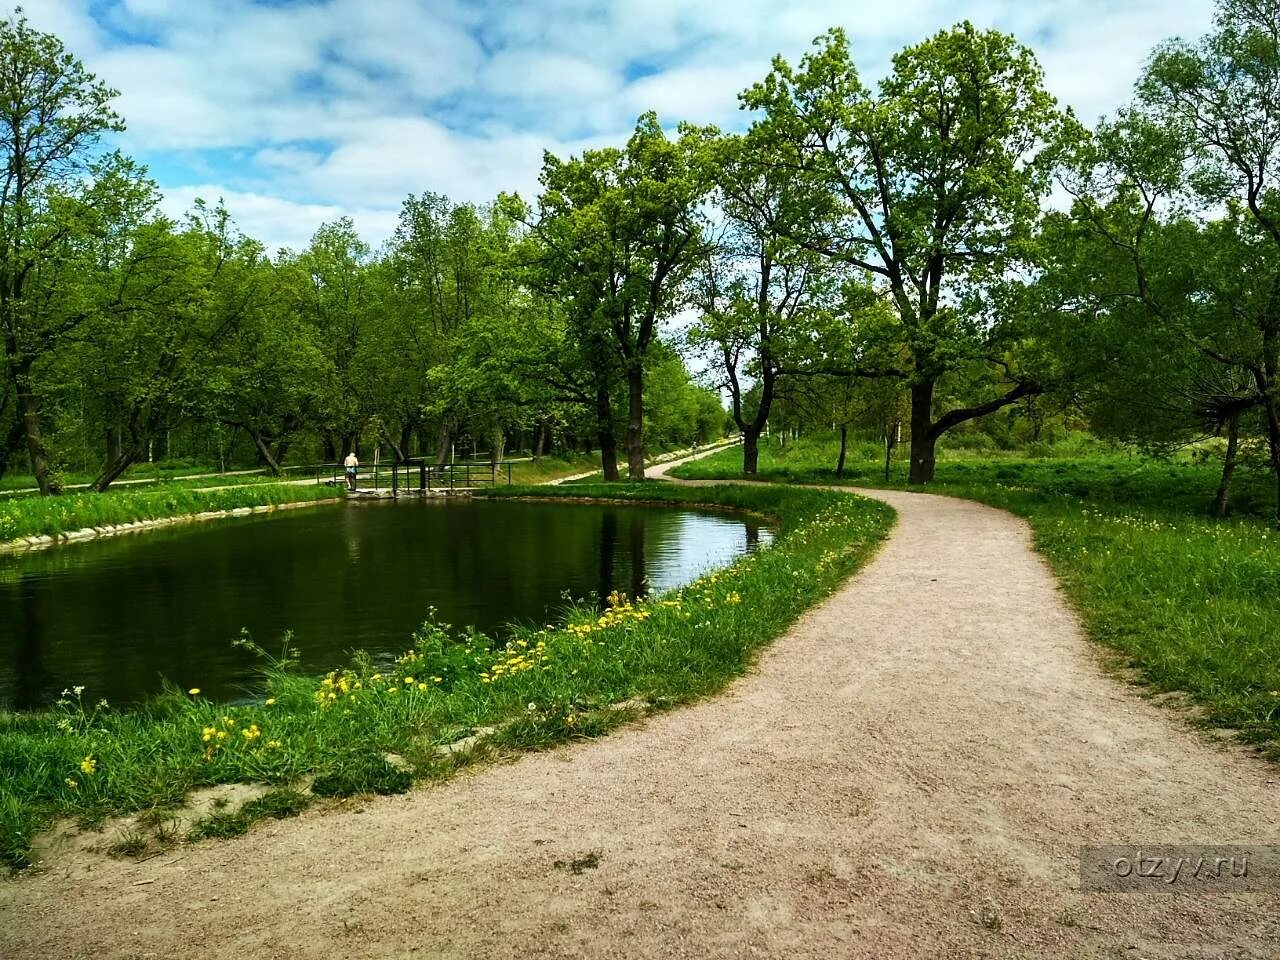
<point x="418" y="476"/>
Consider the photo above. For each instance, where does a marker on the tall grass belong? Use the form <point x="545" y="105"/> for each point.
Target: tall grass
<point x="1189" y="599"/>
<point x="372" y="727"/>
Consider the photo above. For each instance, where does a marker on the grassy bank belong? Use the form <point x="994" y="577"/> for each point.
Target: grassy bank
<point x="1189" y="599"/>
<point x="531" y="687"/>
<point x="50" y="516"/>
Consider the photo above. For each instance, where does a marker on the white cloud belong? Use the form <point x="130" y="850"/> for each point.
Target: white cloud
<point x="307" y="109"/>
<point x="278" y="222"/>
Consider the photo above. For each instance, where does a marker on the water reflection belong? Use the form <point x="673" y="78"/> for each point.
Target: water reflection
<point x="119" y="614"/>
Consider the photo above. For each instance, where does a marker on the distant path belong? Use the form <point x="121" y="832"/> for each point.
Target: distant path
<point x="908" y="773"/>
<point x="657" y="470"/>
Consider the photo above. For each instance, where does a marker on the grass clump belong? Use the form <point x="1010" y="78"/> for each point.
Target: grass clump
<point x="362" y="774"/>
<point x="1188" y="598"/>
<point x="531" y="687"/>
<point x="279" y="804"/>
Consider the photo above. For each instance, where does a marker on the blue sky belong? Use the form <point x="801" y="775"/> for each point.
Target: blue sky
<point x="298" y="111"/>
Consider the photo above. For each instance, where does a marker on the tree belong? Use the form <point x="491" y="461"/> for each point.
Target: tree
<point x="758" y="295"/>
<point x="1220" y="94"/>
<point x="57" y="184"/>
<point x="928" y="187"/>
<point x="621" y="232"/>
<point x="336" y="298"/>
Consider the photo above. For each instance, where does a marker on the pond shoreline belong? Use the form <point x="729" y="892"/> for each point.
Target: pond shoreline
<point x="84" y="534"/>
<point x="369" y="728"/>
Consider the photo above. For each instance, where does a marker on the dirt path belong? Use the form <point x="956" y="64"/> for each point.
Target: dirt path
<point x="908" y="773"/>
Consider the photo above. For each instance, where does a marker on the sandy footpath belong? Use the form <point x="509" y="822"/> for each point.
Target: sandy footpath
<point x="909" y="772"/>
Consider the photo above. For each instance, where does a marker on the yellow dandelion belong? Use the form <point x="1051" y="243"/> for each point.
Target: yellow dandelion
<point x="194" y="691"/>
<point x="89" y="766"/>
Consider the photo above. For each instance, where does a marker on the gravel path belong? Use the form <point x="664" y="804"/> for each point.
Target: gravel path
<point x="909" y="773"/>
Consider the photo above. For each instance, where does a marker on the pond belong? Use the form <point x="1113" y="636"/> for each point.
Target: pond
<point x="120" y="614"/>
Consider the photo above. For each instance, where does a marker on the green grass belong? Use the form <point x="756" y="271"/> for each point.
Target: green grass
<point x="37" y="516"/>
<point x="553" y="468"/>
<point x="278" y="804"/>
<point x="1190" y="600"/>
<point x="532" y="687"/>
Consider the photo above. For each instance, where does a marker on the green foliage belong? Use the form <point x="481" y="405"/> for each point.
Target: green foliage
<point x="615" y="235"/>
<point x="928" y="189"/>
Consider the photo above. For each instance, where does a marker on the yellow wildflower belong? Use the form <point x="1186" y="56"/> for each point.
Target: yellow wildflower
<point x="72" y="784"/>
<point x="194" y="691"/>
<point x="89" y="766"/>
<point x="271" y="701"/>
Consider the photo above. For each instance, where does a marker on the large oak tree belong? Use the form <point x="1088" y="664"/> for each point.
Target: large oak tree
<point x="927" y="186"/>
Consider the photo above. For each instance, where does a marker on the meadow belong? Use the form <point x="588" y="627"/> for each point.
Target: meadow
<point x="1188" y="599"/>
<point x="378" y="727"/>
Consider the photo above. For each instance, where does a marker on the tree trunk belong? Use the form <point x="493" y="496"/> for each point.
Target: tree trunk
<point x="330" y="448"/>
<point x="264" y="452"/>
<point x="750" y="450"/>
<point x="29" y="410"/>
<point x="604" y="432"/>
<point x="115" y="443"/>
<point x="635" y="422"/>
<point x="444" y="443"/>
<point x="1228" y="467"/>
<point x="1273" y="447"/>
<point x="890" y="441"/>
<point x="539" y="440"/>
<point x="844" y="449"/>
<point x="111" y="472"/>
<point x="282" y="448"/>
<point x="498" y="446"/>
<point x="923" y="441"/>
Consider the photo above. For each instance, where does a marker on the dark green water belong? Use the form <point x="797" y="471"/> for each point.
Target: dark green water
<point x="118" y="615"/>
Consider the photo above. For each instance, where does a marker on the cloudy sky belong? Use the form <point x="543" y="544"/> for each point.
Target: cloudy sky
<point x="298" y="111"/>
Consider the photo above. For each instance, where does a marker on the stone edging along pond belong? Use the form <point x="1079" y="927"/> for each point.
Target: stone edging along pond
<point x="44" y="541"/>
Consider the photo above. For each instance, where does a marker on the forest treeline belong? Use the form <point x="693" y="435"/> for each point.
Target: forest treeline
<point x="907" y="257"/>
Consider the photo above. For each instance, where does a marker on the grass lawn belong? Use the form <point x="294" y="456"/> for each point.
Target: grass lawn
<point x="49" y="516"/>
<point x="1192" y="601"/>
<point x="531" y="687"/>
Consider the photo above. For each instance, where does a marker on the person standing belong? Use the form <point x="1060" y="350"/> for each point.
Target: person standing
<point x="351" y="463"/>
